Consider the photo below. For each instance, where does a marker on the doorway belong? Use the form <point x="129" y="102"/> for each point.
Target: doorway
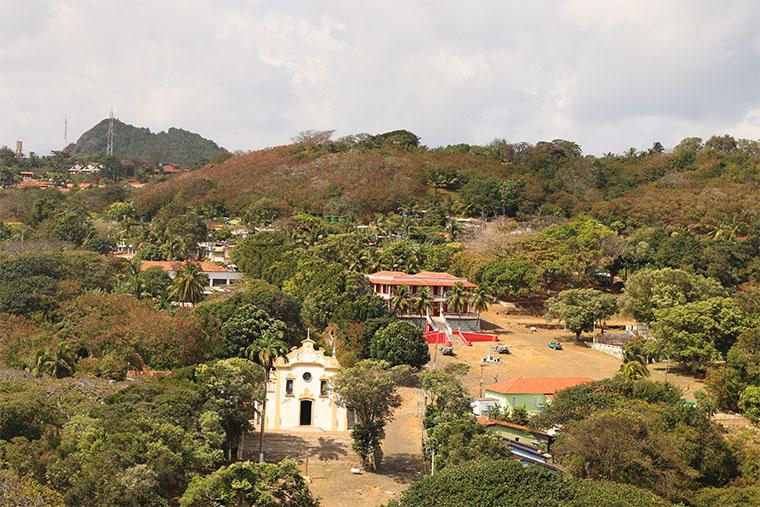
<point x="305" y="419"/>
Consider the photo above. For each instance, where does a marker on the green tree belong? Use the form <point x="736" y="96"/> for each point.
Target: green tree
<point x="423" y="302"/>
<point x="401" y="302"/>
<point x="400" y="343"/>
<point x="457" y="301"/>
<point x="749" y="402"/>
<point x="58" y="362"/>
<point x="509" y="278"/>
<point x="189" y="283"/>
<point x="246" y="483"/>
<point x="649" y="290"/>
<point x="369" y="389"/>
<point x="230" y="387"/>
<point x="265" y="349"/>
<point x="581" y="308"/>
<point x="70" y="226"/>
<point x="698" y="333"/>
<point x="633" y="370"/>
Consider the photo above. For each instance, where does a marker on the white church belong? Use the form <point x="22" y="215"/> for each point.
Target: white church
<point x="300" y="393"/>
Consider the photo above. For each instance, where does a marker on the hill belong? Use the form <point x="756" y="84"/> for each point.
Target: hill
<point x="176" y="146"/>
<point x="715" y="184"/>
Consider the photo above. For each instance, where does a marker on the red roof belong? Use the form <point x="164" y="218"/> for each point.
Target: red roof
<point x="487" y="421"/>
<point x="536" y="385"/>
<point x="424" y="278"/>
<point x="208" y="267"/>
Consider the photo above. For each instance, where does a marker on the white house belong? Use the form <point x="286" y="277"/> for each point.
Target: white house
<point x="219" y="277"/>
<point x="300" y="393"/>
<point x="85" y="169"/>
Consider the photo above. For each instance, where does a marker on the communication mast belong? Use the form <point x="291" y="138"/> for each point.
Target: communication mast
<point x="65" y="132"/>
<point x="109" y="136"/>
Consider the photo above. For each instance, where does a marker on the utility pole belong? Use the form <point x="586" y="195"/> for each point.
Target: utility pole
<point x="109" y="135"/>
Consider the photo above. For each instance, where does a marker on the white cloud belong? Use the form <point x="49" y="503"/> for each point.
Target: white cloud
<point x="608" y="75"/>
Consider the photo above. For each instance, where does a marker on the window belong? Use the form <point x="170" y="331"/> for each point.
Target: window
<point x="289" y="386"/>
<point x="514" y="401"/>
<point x="323" y="388"/>
<point x="307" y="376"/>
<point x="535" y="401"/>
<point x="216" y="282"/>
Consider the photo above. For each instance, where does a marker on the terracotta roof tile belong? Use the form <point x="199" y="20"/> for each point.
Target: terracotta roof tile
<point x="208" y="267"/>
<point x="424" y="278"/>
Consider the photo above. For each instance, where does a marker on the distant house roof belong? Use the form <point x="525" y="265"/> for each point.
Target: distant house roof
<point x="536" y="385"/>
<point x="487" y="421"/>
<point x="206" y="267"/>
<point x="26" y="173"/>
<point x="424" y="278"/>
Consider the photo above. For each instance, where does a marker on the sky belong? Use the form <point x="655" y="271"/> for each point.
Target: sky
<point x="606" y="74"/>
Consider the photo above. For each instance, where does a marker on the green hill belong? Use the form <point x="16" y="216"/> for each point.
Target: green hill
<point x="175" y="146"/>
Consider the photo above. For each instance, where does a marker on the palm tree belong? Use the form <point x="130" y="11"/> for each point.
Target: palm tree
<point x="174" y="248"/>
<point x="401" y="302"/>
<point x="457" y="301"/>
<point x="423" y="302"/>
<point x="453" y="228"/>
<point x="633" y="370"/>
<point x="265" y="350"/>
<point x="59" y="363"/>
<point x="480" y="300"/>
<point x="188" y="285"/>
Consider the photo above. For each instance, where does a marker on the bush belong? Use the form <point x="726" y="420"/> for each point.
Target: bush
<point x="400" y="343"/>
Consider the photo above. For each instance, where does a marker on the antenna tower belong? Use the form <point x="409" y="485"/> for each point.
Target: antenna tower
<point x="65" y="131"/>
<point x="109" y="135"/>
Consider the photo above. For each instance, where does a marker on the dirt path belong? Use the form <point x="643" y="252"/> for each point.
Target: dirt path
<point x="402" y="463"/>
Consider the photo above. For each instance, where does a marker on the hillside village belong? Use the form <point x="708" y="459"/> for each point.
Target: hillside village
<point x="394" y="322"/>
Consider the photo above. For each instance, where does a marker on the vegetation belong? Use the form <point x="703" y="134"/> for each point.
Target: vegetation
<point x="175" y="146"/>
<point x="670" y="238"/>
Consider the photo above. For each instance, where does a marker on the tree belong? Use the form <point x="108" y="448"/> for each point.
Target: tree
<point x="749" y="402"/>
<point x="498" y="483"/>
<point x="189" y="283"/>
<point x="633" y="370"/>
<point x="457" y="301"/>
<point x="509" y="277"/>
<point x="480" y="299"/>
<point x="400" y="343"/>
<point x="629" y="446"/>
<point x="248" y="325"/>
<point x="265" y="349"/>
<point x="18" y="491"/>
<point x="581" y="308"/>
<point x="742" y="368"/>
<point x="70" y="226"/>
<point x="369" y="390"/>
<point x="649" y="290"/>
<point x="230" y="387"/>
<point x="401" y="302"/>
<point x="698" y="333"/>
<point x="58" y="363"/>
<point x="246" y="483"/>
<point x="423" y="302"/>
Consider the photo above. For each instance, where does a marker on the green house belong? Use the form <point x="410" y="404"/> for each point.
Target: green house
<point x="531" y="393"/>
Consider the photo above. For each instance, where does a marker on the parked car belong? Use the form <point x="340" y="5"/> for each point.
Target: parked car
<point x="502" y="349"/>
<point x="555" y="345"/>
<point x="447" y="351"/>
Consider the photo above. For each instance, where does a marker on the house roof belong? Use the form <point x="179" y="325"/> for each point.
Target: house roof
<point x="536" y="385"/>
<point x="206" y="267"/>
<point x="487" y="421"/>
<point x="423" y="278"/>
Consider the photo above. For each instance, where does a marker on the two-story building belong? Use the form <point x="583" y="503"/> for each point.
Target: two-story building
<point x="531" y="393"/>
<point x="219" y="277"/>
<point x="386" y="284"/>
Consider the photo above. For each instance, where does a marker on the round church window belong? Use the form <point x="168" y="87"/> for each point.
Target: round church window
<point x="307" y="376"/>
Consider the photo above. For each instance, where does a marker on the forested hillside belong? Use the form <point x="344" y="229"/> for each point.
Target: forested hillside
<point x="712" y="187"/>
<point x="175" y="146"/>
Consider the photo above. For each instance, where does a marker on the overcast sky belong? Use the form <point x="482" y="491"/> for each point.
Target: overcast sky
<point x="608" y="75"/>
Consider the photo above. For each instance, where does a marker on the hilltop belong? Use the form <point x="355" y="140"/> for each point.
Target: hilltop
<point x="706" y="185"/>
<point x="176" y="145"/>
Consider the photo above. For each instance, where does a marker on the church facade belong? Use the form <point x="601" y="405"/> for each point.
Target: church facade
<point x="300" y="395"/>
